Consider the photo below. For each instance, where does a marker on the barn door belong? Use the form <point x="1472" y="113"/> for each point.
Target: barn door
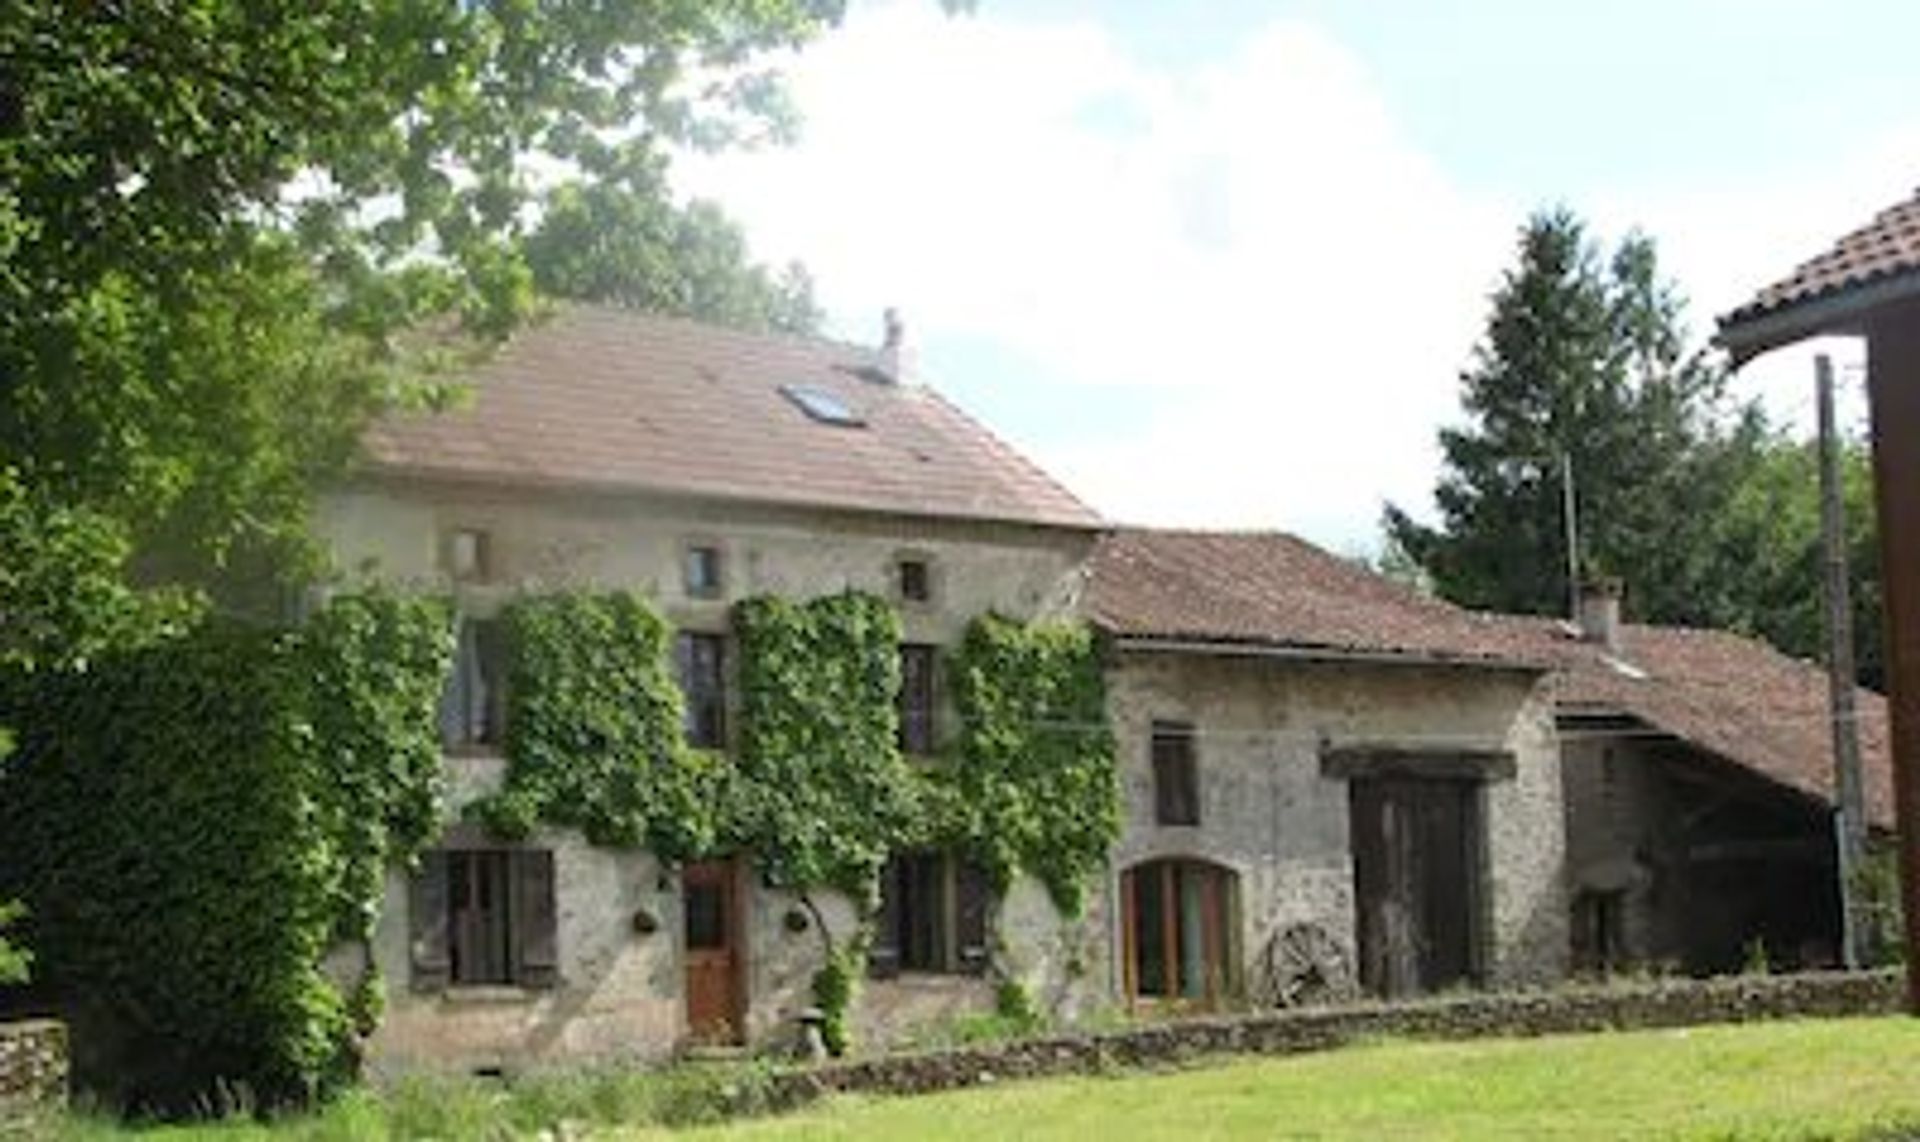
<point x="1416" y="844"/>
<point x="712" y="941"/>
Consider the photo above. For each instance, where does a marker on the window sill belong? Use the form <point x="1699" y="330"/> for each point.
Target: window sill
<point x="475" y="751"/>
<point x="487" y="995"/>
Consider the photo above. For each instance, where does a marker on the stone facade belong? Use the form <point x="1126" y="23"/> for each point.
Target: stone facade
<point x="1270" y="811"/>
<point x="1678" y="861"/>
<point x="621" y="991"/>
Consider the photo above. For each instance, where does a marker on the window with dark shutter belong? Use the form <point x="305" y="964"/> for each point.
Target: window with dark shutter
<point x="483" y="917"/>
<point x="933" y="917"/>
<point x="1176" y="784"/>
<point x="701" y="661"/>
<point x="916" y="698"/>
<point x="536" y="919"/>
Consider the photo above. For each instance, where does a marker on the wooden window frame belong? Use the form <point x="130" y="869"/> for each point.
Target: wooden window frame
<point x="484" y="917"/>
<point x="1219" y="941"/>
<point x="919" y="698"/>
<point x="710" y="581"/>
<point x="1173" y="753"/>
<point x="705" y="691"/>
<point x="473" y="706"/>
<point x="913" y="579"/>
<point x="941" y="889"/>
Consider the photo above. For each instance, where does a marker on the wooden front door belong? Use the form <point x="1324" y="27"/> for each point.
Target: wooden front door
<point x="710" y="901"/>
<point x="1416" y="871"/>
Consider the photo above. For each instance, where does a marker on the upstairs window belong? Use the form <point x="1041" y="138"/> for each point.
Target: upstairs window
<point x="917" y="698"/>
<point x="915" y="580"/>
<point x="1176" y="784"/>
<point x="473" y="706"/>
<point x="701" y="662"/>
<point x="932" y="918"/>
<point x="484" y="917"/>
<point x="469" y="555"/>
<point x="700" y="571"/>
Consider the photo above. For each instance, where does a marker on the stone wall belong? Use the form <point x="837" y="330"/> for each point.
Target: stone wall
<point x="1271" y="813"/>
<point x="33" y="1067"/>
<point x="621" y="996"/>
<point x="1516" y="1014"/>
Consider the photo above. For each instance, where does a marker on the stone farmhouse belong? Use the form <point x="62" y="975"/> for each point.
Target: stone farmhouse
<point x="1330" y="783"/>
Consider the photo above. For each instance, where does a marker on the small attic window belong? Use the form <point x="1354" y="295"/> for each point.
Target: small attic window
<point x="823" y="406"/>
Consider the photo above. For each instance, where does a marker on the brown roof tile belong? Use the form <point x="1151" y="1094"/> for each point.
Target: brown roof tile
<point x="1268" y="588"/>
<point x="1735" y="697"/>
<point x="1885" y="249"/>
<point x="599" y="398"/>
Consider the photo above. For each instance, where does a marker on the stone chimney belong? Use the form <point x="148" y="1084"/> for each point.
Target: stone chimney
<point x="896" y="358"/>
<point x="1600" y="612"/>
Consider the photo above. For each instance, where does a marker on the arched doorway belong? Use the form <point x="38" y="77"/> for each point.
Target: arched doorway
<point x="1180" y="922"/>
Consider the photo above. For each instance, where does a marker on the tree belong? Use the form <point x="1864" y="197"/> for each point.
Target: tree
<point x="1771" y="550"/>
<point x="621" y="238"/>
<point x="214" y="219"/>
<point x="1585" y="362"/>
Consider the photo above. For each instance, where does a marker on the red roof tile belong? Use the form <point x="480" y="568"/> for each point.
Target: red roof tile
<point x="599" y="398"/>
<point x="1271" y="589"/>
<point x="1734" y="697"/>
<point x="1881" y="252"/>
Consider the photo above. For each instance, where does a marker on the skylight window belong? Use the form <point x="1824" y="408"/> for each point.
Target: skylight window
<point x="823" y="406"/>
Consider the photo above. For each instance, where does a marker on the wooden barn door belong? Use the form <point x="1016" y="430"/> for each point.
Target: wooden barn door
<point x="711" y="901"/>
<point x="1416" y="870"/>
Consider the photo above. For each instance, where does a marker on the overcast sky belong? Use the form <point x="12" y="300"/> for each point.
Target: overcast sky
<point x="1224" y="269"/>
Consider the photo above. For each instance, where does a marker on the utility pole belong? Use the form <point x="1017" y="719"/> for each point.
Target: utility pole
<point x="1850" y="818"/>
<point x="1567" y="513"/>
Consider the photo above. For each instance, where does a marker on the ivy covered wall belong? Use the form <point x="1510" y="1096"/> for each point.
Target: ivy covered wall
<point x="192" y="825"/>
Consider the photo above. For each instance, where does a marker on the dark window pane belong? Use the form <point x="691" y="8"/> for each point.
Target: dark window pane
<point x="700" y="572"/>
<point x="481" y="924"/>
<point x="473" y="707"/>
<point x="916" y="698"/>
<point x="706" y="917"/>
<point x="1149" y="945"/>
<point x="1176" y="792"/>
<point x="702" y="666"/>
<point x="916" y="585"/>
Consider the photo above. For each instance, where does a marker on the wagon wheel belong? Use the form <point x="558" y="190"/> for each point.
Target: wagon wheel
<point x="1306" y="965"/>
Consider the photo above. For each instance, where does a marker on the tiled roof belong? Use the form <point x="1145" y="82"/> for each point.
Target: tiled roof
<point x="609" y="399"/>
<point x="1879" y="253"/>
<point x="1271" y="589"/>
<point x="1735" y="697"/>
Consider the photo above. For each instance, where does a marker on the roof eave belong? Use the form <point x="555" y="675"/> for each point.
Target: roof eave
<point x="1303" y="652"/>
<point x="391" y="472"/>
<point x="1840" y="312"/>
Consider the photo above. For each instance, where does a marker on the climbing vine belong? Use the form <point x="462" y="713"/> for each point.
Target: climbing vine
<point x="1034" y="787"/>
<point x="824" y="794"/>
<point x="594" y="737"/>
<point x="193" y="825"/>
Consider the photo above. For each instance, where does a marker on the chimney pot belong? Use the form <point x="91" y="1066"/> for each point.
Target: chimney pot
<point x="896" y="359"/>
<point x="1600" y="612"/>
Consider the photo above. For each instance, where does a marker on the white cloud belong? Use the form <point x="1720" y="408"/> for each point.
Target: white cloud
<point x="1247" y="259"/>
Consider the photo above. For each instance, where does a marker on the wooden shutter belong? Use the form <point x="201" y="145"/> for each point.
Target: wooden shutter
<point x="427" y="910"/>
<point x="535" y="919"/>
<point x="973" y="904"/>
<point x="883" y="958"/>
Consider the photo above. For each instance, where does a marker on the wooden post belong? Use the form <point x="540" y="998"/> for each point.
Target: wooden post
<point x="1850" y="806"/>
<point x="1893" y="389"/>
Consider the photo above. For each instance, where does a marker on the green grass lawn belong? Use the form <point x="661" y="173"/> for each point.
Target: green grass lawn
<point x="1828" y="1079"/>
<point x="1813" y="1079"/>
